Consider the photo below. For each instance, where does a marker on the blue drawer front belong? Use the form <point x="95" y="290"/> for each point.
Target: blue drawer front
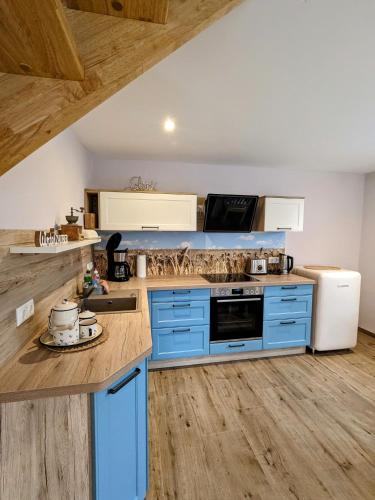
<point x="169" y="315"/>
<point x="227" y="347"/>
<point x="287" y="290"/>
<point x="171" y="343"/>
<point x="178" y="295"/>
<point x="287" y="307"/>
<point x="286" y="333"/>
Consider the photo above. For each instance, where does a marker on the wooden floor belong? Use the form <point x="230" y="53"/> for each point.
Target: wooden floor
<point x="301" y="427"/>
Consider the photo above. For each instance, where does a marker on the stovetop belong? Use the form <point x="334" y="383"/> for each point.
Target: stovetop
<point x="228" y="278"/>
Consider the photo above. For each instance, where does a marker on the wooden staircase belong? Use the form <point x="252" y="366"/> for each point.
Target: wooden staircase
<point x="86" y="57"/>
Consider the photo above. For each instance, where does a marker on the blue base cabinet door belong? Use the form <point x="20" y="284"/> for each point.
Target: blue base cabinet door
<point x="286" y="333"/>
<point x="299" y="306"/>
<point x="236" y="346"/>
<point x="182" y="342"/>
<point x="119" y="415"/>
<point x="177" y="314"/>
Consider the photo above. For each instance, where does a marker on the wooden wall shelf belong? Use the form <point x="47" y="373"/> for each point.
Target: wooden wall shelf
<point x="73" y="245"/>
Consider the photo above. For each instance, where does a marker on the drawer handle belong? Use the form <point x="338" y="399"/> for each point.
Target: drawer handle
<point x="153" y="228"/>
<point x="289" y="300"/>
<point x="256" y="299"/>
<point x="288" y="287"/>
<point x="181" y="330"/>
<point x="181" y="292"/>
<point x="125" y="382"/>
<point x="287" y="322"/>
<point x="284" y="228"/>
<point x="180" y="305"/>
<point x="233" y="346"/>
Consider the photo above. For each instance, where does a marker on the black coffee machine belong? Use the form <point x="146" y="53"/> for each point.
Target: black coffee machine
<point x="118" y="268"/>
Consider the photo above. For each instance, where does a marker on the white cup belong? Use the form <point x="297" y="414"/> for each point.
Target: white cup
<point x="88" y="328"/>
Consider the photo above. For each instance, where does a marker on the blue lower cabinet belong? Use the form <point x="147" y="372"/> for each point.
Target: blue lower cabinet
<point x="181" y="295"/>
<point x="286" y="290"/>
<point x="227" y="347"/>
<point x="180" y="342"/>
<point x="291" y="307"/>
<point x="286" y="333"/>
<point x="176" y="314"/>
<point x="119" y="415"/>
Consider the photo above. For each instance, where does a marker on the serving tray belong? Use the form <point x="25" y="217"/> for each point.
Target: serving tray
<point x="47" y="340"/>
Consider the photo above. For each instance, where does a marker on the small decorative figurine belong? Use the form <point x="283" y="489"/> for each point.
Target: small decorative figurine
<point x="136" y="183"/>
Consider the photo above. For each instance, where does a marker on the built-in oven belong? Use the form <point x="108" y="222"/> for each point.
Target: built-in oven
<point x="236" y="314"/>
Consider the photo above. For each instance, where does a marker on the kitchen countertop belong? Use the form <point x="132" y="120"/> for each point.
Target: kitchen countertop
<point x="34" y="372"/>
<point x="197" y="281"/>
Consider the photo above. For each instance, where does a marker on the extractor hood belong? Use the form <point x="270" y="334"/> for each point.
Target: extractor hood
<point x="226" y="213"/>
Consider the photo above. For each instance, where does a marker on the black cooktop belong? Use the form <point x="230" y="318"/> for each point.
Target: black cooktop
<point x="228" y="278"/>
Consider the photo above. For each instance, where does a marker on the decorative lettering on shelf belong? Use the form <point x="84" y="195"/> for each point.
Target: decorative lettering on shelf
<point x="51" y="238"/>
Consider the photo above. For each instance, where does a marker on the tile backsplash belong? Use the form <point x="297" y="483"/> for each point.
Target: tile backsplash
<point x="183" y="253"/>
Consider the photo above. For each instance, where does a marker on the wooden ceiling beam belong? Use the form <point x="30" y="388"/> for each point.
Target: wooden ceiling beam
<point x="155" y="11"/>
<point x="114" y="52"/>
<point x="35" y="39"/>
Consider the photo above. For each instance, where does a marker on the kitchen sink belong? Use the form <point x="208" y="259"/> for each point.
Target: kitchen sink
<point x="118" y="301"/>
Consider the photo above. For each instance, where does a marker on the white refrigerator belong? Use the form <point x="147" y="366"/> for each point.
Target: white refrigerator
<point x="336" y="306"/>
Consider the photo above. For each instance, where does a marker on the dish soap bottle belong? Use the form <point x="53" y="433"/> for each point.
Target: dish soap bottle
<point x="96" y="278"/>
<point x="87" y="279"/>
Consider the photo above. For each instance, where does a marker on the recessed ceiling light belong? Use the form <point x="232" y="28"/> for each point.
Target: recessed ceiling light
<point x="169" y="125"/>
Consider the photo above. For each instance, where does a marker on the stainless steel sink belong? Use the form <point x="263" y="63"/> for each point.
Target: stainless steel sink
<point x="118" y="301"/>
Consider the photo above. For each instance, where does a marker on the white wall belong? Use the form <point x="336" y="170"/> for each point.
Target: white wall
<point x="38" y="192"/>
<point x="333" y="207"/>
<point x="367" y="268"/>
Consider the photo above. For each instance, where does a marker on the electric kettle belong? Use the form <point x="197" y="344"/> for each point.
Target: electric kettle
<point x="285" y="263"/>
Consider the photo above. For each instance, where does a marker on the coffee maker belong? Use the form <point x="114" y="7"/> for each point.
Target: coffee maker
<point x="118" y="268"/>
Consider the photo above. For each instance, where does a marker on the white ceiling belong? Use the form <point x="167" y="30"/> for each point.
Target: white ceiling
<point x="275" y="83"/>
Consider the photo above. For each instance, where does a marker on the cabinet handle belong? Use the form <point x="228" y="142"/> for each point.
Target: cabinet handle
<point x="125" y="382"/>
<point x="287" y="322"/>
<point x="181" y="330"/>
<point x="181" y="292"/>
<point x="155" y="228"/>
<point x="289" y="300"/>
<point x="240" y="300"/>
<point x="233" y="346"/>
<point x="293" y="287"/>
<point x="180" y="305"/>
<point x="284" y="228"/>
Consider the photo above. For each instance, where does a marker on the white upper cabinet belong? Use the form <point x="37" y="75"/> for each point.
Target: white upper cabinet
<point x="280" y="214"/>
<point x="124" y="211"/>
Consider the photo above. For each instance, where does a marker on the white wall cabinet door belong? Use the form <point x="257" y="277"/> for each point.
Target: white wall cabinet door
<point x="147" y="211"/>
<point x="283" y="214"/>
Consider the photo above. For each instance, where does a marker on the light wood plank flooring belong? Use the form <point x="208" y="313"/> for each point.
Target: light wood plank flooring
<point x="301" y="427"/>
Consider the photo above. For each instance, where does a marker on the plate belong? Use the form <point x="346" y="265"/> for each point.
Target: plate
<point x="48" y="340"/>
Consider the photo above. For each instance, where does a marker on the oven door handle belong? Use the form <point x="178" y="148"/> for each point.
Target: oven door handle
<point x="255" y="299"/>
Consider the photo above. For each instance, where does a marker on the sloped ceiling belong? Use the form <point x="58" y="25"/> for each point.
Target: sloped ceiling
<point x="274" y="83"/>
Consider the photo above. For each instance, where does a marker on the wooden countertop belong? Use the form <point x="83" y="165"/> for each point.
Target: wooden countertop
<point x="197" y="281"/>
<point x="35" y="372"/>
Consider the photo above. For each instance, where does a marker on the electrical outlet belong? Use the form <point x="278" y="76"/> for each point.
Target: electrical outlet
<point x="24" y="312"/>
<point x="273" y="260"/>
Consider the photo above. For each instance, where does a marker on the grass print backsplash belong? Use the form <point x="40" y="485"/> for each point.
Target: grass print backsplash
<point x="183" y="253"/>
